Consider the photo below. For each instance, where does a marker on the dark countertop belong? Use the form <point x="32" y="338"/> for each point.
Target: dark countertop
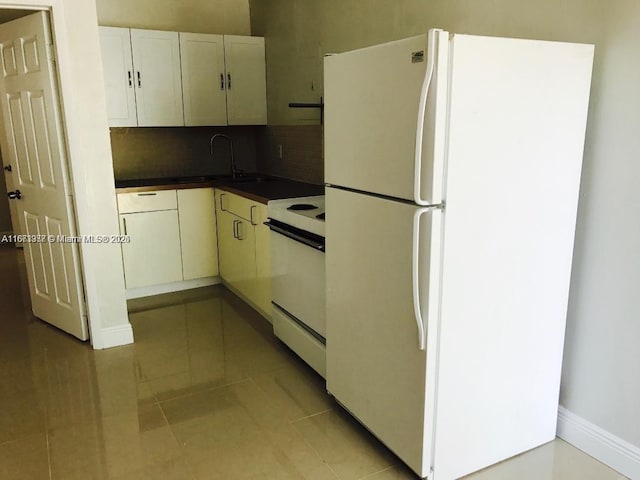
<point x="264" y="189"/>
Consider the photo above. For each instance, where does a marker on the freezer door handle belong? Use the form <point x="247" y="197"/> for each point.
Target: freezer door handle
<point x="422" y="107"/>
<point x="415" y="270"/>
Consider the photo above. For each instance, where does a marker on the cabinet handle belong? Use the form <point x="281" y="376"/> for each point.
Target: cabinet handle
<point x="222" y="202"/>
<point x="251" y="215"/>
<point x="147" y="194"/>
<point x="228" y="81"/>
<point x="139" y="79"/>
<point x="240" y="224"/>
<point x="130" y="77"/>
<point x="124" y="225"/>
<point x="221" y="81"/>
<point x="235" y="232"/>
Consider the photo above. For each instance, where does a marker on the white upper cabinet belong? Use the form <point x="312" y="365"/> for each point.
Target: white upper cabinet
<point x="118" y="76"/>
<point x="223" y="79"/>
<point x="157" y="78"/>
<point x="246" y="80"/>
<point x="203" y="79"/>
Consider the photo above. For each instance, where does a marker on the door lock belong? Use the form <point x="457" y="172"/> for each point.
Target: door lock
<point x="7" y="168"/>
<point x="15" y="195"/>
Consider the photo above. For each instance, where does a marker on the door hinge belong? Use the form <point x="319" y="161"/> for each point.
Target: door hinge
<point x="51" y="53"/>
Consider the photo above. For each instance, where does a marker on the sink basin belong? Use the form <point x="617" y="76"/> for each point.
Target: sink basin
<point x="197" y="179"/>
<point x="251" y="179"/>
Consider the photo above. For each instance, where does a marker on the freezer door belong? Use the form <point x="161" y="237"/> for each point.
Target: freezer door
<point x="385" y="111"/>
<point x="375" y="365"/>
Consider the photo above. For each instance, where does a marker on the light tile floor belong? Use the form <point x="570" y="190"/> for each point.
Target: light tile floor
<point x="206" y="392"/>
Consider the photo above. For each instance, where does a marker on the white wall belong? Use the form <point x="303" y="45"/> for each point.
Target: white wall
<point x="200" y="16"/>
<point x="601" y="380"/>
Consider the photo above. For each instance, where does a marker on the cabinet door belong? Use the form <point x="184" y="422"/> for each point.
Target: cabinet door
<point x="199" y="244"/>
<point x="156" y="57"/>
<point x="237" y="253"/>
<point x="118" y="73"/>
<point x="263" y="259"/>
<point x="203" y="79"/>
<point x="246" y="80"/>
<point x="235" y="204"/>
<point x="153" y="255"/>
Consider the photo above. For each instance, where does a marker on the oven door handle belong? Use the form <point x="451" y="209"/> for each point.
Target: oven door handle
<point x="294" y="236"/>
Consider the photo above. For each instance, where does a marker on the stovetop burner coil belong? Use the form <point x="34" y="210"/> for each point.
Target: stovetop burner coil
<point x="302" y="206"/>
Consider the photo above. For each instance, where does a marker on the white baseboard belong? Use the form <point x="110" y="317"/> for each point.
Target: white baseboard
<point x="116" y="336"/>
<point x="600" y="444"/>
<point x="170" y="287"/>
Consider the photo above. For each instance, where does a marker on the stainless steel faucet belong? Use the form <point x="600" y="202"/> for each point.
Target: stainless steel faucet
<point x="234" y="171"/>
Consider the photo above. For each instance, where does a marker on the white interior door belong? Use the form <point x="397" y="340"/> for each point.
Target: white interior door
<point x="33" y="143"/>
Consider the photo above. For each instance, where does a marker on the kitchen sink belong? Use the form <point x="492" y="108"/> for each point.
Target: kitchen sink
<point x="251" y="179"/>
<point x="195" y="179"/>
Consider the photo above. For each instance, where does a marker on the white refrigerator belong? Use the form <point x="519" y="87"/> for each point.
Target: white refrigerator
<point x="453" y="169"/>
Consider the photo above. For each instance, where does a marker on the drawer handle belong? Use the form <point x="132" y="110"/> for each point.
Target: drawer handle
<point x="235" y="231"/>
<point x="222" y="195"/>
<point x="147" y="194"/>
<point x="251" y="215"/>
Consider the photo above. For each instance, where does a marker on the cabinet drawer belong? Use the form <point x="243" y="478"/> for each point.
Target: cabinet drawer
<point x="239" y="206"/>
<point x="147" y="201"/>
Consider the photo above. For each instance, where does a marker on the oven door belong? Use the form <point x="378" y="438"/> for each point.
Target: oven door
<point x="298" y="282"/>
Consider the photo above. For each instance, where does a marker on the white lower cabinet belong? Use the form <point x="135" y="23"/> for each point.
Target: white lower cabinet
<point x="152" y="256"/>
<point x="245" y="260"/>
<point x="172" y="236"/>
<point x="237" y="253"/>
<point x="198" y="235"/>
<point x="193" y="235"/>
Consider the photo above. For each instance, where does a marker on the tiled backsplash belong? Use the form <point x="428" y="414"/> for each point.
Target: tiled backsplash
<point x="302" y="153"/>
<point x="184" y="151"/>
<point x="180" y="151"/>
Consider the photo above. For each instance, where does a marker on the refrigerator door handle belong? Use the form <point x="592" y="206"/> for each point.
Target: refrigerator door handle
<point x="422" y="107"/>
<point x="415" y="271"/>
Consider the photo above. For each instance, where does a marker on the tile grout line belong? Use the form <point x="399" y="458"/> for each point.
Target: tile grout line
<point x="311" y="447"/>
<point x="46" y="435"/>
<point x="372" y="474"/>
<point x="173" y="433"/>
<point x="45" y="414"/>
<point x="311" y="416"/>
<point x="314" y="449"/>
<point x="208" y="389"/>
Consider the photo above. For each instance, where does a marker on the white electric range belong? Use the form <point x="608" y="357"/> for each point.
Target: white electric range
<point x="298" y="282"/>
